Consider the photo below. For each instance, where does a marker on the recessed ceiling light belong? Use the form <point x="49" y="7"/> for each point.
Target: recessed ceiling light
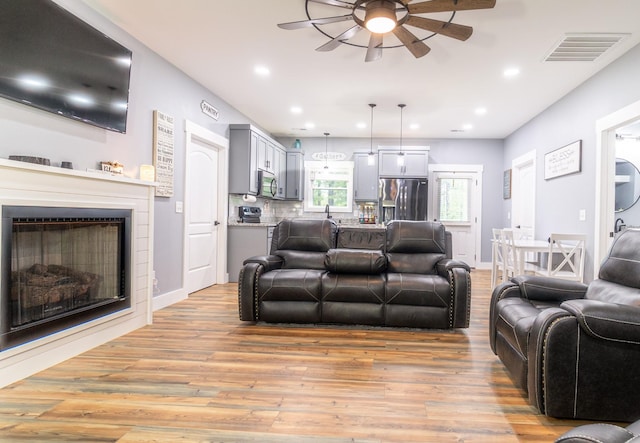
<point x="262" y="71"/>
<point x="296" y="110"/>
<point x="481" y="111"/>
<point x="361" y="125"/>
<point x="511" y="72"/>
<point x="414" y="126"/>
<point x="309" y="125"/>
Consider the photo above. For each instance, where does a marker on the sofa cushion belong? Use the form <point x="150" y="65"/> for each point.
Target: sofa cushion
<point x="302" y="259"/>
<point x="306" y="235"/>
<point x="416" y="237"/>
<point x="290" y="285"/>
<point x="413" y="263"/>
<point x="418" y="290"/>
<point x="355" y="261"/>
<point x="361" y="238"/>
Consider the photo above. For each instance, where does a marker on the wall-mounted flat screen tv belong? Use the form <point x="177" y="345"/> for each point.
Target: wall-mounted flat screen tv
<point x="52" y="60"/>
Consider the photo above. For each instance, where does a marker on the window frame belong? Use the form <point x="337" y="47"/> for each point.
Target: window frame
<point x="311" y="168"/>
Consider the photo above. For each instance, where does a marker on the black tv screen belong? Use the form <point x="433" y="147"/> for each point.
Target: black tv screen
<point x="52" y="60"/>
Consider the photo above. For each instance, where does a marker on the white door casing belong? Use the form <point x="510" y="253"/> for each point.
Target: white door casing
<point x="205" y="208"/>
<point x="466" y="236"/>
<point x="605" y="178"/>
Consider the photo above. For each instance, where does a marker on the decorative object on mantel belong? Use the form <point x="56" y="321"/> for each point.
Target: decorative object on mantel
<point x="112" y="167"/>
<point x="147" y="173"/>
<point x="30" y="159"/>
<point x="382" y="17"/>
<point x="163" y="153"/>
<point x="66" y="165"/>
<point x="563" y="161"/>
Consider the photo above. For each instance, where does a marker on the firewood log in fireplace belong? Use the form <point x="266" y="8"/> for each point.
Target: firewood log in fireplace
<point x="40" y="290"/>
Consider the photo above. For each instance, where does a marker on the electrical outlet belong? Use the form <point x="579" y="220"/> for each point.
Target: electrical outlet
<point x="179" y="207"/>
<point x="582" y="215"/>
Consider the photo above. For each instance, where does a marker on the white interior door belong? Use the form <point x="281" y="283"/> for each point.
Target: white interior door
<point x="523" y="194"/>
<point x="455" y="198"/>
<point x="204" y="209"/>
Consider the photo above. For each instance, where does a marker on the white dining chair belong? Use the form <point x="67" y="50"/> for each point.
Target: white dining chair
<point x="498" y="270"/>
<point x="569" y="251"/>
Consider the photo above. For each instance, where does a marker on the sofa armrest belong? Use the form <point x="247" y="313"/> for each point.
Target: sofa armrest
<point x="596" y="432"/>
<point x="445" y="265"/>
<point x="533" y="287"/>
<point x="607" y="321"/>
<point x="269" y="262"/>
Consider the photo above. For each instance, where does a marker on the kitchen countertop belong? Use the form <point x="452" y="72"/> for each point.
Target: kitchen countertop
<point x="234" y="222"/>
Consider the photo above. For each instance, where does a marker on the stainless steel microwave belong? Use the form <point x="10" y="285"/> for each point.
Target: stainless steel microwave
<point x="268" y="185"/>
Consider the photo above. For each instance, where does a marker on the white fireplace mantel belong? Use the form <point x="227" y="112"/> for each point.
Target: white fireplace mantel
<point x="26" y="184"/>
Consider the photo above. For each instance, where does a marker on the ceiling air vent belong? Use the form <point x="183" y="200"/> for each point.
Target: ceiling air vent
<point x="583" y="47"/>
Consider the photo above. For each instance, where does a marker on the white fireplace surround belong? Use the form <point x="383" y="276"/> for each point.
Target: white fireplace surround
<point x="25" y="184"/>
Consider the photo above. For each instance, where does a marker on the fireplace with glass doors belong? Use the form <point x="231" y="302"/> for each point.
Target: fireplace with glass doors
<point x="61" y="267"/>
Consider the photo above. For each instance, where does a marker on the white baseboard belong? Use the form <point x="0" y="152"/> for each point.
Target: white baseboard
<point x="164" y="300"/>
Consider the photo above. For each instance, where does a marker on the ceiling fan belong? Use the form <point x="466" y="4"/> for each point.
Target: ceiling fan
<point x="380" y="17"/>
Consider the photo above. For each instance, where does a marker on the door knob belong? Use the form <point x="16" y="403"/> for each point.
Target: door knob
<point x="216" y="223"/>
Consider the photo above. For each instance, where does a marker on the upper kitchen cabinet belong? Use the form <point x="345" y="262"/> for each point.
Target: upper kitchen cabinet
<point x="280" y="171"/>
<point x="295" y="176"/>
<point x="251" y="150"/>
<point x="416" y="164"/>
<point x="365" y="178"/>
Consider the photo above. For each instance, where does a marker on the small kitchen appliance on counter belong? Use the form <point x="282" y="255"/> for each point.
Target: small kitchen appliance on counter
<point x="249" y="214"/>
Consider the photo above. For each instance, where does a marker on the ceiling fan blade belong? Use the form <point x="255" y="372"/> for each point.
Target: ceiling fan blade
<point x="338" y="3"/>
<point x="449" y="5"/>
<point x="374" y="50"/>
<point x="460" y="32"/>
<point x="315" y="21"/>
<point x="337" y="41"/>
<point x="415" y="46"/>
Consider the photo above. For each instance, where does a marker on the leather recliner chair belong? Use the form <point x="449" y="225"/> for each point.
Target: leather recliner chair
<point x="602" y="433"/>
<point x="575" y="348"/>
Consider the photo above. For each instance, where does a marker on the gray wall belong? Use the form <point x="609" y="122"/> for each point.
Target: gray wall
<point x="572" y="118"/>
<point x="155" y="84"/>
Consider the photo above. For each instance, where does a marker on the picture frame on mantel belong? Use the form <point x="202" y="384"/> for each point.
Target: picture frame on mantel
<point x="563" y="161"/>
<point x="506" y="185"/>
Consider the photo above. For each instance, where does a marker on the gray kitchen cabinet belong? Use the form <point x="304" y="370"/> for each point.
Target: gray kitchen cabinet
<point x="295" y="176"/>
<point x="416" y="164"/>
<point x="365" y="178"/>
<point x="245" y="241"/>
<point x="280" y="171"/>
<point x="250" y="150"/>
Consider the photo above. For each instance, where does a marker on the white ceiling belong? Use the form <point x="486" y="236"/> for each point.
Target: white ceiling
<point x="218" y="43"/>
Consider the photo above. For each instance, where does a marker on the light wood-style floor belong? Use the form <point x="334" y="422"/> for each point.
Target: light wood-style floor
<point x="198" y="374"/>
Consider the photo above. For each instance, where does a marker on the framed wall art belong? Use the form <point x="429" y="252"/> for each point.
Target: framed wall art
<point x="563" y="161"/>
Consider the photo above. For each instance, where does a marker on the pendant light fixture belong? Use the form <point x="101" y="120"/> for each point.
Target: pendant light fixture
<point x="326" y="157"/>
<point x="401" y="154"/>
<point x="371" y="158"/>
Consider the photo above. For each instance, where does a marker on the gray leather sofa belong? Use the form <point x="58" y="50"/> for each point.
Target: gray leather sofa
<point x="401" y="275"/>
<point x="575" y="348"/>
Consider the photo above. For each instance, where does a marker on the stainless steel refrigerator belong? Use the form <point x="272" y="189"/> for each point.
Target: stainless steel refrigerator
<point x="402" y="199"/>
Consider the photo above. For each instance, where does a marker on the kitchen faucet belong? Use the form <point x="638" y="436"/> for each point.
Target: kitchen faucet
<point x="326" y="209"/>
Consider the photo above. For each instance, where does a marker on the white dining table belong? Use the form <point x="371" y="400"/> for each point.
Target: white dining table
<point x="523" y="246"/>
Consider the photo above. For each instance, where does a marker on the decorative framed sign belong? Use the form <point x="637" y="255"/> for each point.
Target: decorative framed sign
<point x="163" y="141"/>
<point x="563" y="161"/>
<point x="506" y="184"/>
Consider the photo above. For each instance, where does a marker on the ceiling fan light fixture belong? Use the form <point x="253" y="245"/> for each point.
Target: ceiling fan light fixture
<point x="380" y="16"/>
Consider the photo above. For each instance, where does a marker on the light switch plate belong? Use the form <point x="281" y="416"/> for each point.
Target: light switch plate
<point x="178" y="207"/>
<point x="582" y="215"/>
